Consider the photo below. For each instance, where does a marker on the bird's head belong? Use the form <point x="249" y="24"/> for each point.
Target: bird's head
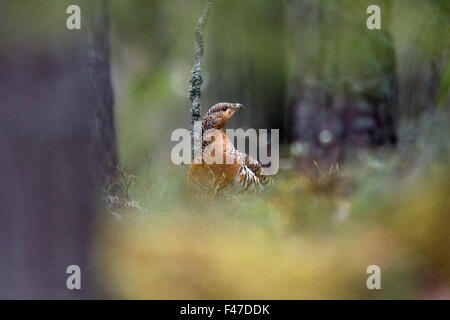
<point x="219" y="114"/>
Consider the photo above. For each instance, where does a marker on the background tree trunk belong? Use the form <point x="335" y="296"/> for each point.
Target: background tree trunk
<point x="57" y="143"/>
<point x="422" y="55"/>
<point x="343" y="81"/>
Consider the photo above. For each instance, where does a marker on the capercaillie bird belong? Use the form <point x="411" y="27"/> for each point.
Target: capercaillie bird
<point x="241" y="172"/>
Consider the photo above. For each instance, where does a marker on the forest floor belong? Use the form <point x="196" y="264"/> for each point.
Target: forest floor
<point x="302" y="239"/>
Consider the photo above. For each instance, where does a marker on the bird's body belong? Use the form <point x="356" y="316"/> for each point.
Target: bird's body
<point x="222" y="166"/>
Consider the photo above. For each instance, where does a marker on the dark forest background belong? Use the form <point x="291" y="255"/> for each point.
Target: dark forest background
<point x="300" y="66"/>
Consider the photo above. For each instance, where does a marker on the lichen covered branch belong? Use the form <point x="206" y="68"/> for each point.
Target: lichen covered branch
<point x="196" y="78"/>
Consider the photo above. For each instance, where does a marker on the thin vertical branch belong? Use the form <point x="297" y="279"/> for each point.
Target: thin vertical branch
<point x="196" y="78"/>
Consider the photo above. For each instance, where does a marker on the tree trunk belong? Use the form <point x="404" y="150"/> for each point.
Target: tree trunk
<point x="57" y="143"/>
<point x="422" y="54"/>
<point x="343" y="81"/>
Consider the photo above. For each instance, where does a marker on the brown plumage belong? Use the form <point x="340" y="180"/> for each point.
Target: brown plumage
<point x="242" y="173"/>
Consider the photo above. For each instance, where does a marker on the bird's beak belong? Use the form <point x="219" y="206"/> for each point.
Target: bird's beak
<point x="238" y="106"/>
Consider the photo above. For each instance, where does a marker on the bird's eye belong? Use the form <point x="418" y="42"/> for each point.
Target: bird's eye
<point x="225" y="109"/>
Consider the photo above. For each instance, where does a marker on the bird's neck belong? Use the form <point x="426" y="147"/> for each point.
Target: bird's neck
<point x="222" y="130"/>
<point x="224" y="139"/>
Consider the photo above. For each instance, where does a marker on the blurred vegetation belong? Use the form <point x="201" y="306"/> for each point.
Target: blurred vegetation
<point x="306" y="238"/>
<point x="311" y="236"/>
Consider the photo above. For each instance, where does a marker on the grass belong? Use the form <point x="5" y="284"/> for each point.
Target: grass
<point x="303" y="238"/>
